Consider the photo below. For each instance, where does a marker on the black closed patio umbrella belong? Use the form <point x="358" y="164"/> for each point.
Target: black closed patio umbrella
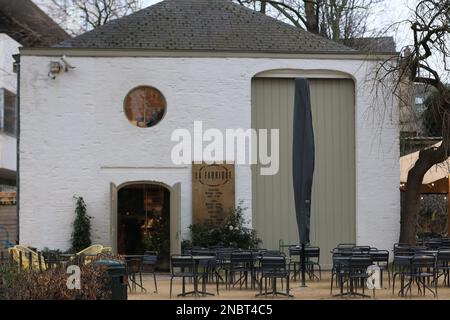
<point x="303" y="163"/>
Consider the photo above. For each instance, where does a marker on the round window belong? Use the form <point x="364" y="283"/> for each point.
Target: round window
<point x="145" y="106"/>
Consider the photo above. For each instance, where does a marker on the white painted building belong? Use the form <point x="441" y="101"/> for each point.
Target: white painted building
<point x="218" y="63"/>
<point x="21" y="23"/>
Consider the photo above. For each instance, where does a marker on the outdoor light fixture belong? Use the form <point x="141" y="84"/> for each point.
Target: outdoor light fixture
<point x="58" y="66"/>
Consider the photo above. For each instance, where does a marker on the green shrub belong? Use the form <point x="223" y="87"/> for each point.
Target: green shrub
<point x="232" y="233"/>
<point x="81" y="235"/>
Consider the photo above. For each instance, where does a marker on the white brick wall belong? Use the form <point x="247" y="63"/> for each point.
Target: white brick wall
<point x="75" y="138"/>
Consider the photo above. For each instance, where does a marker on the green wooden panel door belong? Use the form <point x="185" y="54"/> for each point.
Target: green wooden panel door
<point x="333" y="199"/>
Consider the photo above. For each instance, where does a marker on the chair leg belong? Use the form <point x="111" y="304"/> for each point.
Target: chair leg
<point x="154" y="279"/>
<point x="287" y="286"/>
<point x="265" y="285"/>
<point x="332" y="276"/>
<point x="393" y="283"/>
<point x="389" y="277"/>
<point x="295" y="272"/>
<point x="217" y="283"/>
<point x="171" y="288"/>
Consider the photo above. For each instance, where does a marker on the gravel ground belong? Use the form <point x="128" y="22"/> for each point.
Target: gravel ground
<point x="315" y="290"/>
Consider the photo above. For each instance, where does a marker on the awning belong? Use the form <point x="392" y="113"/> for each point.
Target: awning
<point x="437" y="172"/>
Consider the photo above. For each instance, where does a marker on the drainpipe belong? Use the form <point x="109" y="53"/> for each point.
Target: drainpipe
<point x="17" y="70"/>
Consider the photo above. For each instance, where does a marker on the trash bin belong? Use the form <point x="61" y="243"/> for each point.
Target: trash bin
<point x="117" y="274"/>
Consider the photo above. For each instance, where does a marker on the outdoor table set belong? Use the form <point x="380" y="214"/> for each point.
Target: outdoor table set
<point x="240" y="267"/>
<point x="420" y="265"/>
<point x="187" y="266"/>
<point x="350" y="264"/>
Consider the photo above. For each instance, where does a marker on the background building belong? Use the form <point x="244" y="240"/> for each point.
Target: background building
<point x="21" y="24"/>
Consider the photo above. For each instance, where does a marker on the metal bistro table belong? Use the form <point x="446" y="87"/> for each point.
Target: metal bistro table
<point x="197" y="260"/>
<point x="134" y="265"/>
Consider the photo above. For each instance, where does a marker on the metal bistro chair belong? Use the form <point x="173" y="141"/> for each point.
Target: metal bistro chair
<point x="52" y="260"/>
<point x="443" y="265"/>
<point x="423" y="269"/>
<point x="339" y="270"/>
<point x="134" y="269"/>
<point x="149" y="265"/>
<point x="294" y="260"/>
<point x="242" y="263"/>
<point x="209" y="267"/>
<point x="401" y="268"/>
<point x="273" y="268"/>
<point x="358" y="274"/>
<point x="183" y="267"/>
<point x="312" y="257"/>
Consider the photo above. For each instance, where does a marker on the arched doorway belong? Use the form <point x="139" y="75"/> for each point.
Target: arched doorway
<point x="143" y="220"/>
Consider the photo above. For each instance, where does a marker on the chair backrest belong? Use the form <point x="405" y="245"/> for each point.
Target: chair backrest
<point x="28" y="256"/>
<point x="273" y="265"/>
<point x="182" y="263"/>
<point x="134" y="264"/>
<point x="242" y="258"/>
<point x="271" y="253"/>
<point x="107" y="250"/>
<point x="343" y="251"/>
<point x="434" y="244"/>
<point x="379" y="256"/>
<point x="312" y="252"/>
<point x="340" y="260"/>
<point x="443" y="256"/>
<point x="360" y="262"/>
<point x="423" y="261"/>
<point x="150" y="257"/>
<point x="401" y="249"/>
<point x="294" y="251"/>
<point x="419" y="248"/>
<point x="346" y="245"/>
<point x="445" y="242"/>
<point x="361" y="249"/>
<point x="91" y="250"/>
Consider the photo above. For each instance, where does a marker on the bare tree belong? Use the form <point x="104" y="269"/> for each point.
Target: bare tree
<point x="334" y="19"/>
<point x="431" y="33"/>
<point x="91" y="14"/>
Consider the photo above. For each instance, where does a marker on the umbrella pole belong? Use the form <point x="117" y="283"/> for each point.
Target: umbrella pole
<point x="302" y="262"/>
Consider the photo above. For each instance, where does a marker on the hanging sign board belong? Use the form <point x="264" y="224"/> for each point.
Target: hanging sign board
<point x="213" y="192"/>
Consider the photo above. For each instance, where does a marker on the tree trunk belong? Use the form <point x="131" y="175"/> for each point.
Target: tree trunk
<point x="263" y="6"/>
<point x="427" y="159"/>
<point x="312" y="22"/>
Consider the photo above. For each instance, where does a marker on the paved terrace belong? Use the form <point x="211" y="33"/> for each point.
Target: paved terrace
<point x="316" y="290"/>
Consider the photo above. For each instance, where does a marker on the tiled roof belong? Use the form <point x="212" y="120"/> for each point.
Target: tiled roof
<point x="204" y="25"/>
<point x="375" y="44"/>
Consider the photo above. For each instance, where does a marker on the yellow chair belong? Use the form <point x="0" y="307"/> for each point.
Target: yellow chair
<point x="107" y="250"/>
<point x="15" y="253"/>
<point x="90" y="252"/>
